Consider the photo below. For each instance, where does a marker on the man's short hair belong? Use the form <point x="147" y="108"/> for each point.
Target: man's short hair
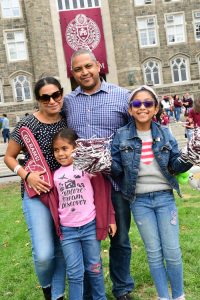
<point x="83" y="51"/>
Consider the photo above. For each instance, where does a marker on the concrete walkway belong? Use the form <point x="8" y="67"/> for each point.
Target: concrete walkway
<point x="4" y="170"/>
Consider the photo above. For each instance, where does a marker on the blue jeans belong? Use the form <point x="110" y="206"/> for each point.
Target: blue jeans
<point x="120" y="249"/>
<point x="156" y="217"/>
<point x="82" y="253"/>
<point x="177" y="113"/>
<point x="46" y="250"/>
<point x="6" y="134"/>
<point x="189" y="133"/>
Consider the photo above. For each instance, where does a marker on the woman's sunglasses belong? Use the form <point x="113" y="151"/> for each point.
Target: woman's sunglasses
<point x="56" y="96"/>
<point x="136" y="103"/>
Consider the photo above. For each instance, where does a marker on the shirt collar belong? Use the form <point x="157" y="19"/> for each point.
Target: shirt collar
<point x="103" y="88"/>
<point x="155" y="130"/>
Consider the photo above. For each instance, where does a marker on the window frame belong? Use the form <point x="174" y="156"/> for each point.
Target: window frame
<point x="28" y="79"/>
<point x="175" y="26"/>
<point x="11" y="8"/>
<point x="179" y="71"/>
<point x="195" y="21"/>
<point x="169" y="1"/>
<point x="144" y="4"/>
<point x="9" y="58"/>
<point x="71" y="5"/>
<point x="155" y="28"/>
<point x="155" y="61"/>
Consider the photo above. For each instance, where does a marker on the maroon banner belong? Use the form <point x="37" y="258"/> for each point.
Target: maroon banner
<point x="83" y="29"/>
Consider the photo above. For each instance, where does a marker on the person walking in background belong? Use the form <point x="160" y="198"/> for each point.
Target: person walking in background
<point x="189" y="128"/>
<point x="187" y="103"/>
<point x="177" y="107"/>
<point x="46" y="249"/>
<point x="97" y="108"/>
<point x="193" y="119"/>
<point x="166" y="104"/>
<point x="80" y="246"/>
<point x="149" y="190"/>
<point x="5" y="128"/>
<point x="194" y="113"/>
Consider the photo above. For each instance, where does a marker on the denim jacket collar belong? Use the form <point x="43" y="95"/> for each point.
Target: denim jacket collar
<point x="155" y="129"/>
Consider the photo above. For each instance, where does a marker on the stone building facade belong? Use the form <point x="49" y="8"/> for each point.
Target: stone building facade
<point x="156" y="42"/>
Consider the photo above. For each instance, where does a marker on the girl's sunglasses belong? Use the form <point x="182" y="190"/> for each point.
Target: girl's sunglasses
<point x="56" y="96"/>
<point x="136" y="103"/>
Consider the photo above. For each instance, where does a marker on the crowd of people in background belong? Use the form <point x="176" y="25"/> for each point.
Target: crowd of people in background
<point x="178" y="109"/>
<point x="174" y="106"/>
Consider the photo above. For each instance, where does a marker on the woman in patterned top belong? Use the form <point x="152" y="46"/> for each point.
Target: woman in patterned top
<point x="47" y="254"/>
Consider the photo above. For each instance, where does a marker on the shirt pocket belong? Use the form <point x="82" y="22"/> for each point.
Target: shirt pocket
<point x="127" y="154"/>
<point x="165" y="152"/>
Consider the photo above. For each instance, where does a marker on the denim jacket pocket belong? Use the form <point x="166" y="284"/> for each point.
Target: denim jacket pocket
<point x="165" y="152"/>
<point x="127" y="153"/>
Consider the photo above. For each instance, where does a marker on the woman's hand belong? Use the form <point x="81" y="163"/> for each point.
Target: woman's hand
<point x="112" y="229"/>
<point x="36" y="182"/>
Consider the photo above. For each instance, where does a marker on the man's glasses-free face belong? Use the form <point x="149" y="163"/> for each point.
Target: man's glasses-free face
<point x="148" y="103"/>
<point x="56" y="96"/>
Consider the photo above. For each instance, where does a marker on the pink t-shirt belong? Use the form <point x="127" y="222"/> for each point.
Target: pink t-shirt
<point x="76" y="196"/>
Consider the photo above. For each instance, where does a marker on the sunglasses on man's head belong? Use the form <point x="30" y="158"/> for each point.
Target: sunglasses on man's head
<point x="56" y="96"/>
<point x="136" y="103"/>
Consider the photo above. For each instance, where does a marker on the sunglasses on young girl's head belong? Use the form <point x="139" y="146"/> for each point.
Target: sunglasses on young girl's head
<point x="136" y="103"/>
<point x="56" y="96"/>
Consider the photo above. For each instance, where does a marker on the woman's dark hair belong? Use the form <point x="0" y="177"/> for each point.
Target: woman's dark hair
<point x="67" y="134"/>
<point x="175" y="96"/>
<point x="44" y="81"/>
<point x="196" y="105"/>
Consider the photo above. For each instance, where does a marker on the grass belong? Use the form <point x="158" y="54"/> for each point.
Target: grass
<point x="17" y="277"/>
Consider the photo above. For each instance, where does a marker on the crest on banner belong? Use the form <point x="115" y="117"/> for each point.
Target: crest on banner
<point x="83" y="32"/>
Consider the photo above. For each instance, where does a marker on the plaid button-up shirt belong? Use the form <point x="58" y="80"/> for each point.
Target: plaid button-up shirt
<point x="99" y="114"/>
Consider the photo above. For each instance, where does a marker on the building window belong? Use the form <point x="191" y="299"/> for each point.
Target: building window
<point x="169" y="1"/>
<point x="77" y="4"/>
<point x="151" y="70"/>
<point x="175" y="28"/>
<point x="22" y="88"/>
<point x="180" y="69"/>
<point x="143" y="2"/>
<point x="196" y="16"/>
<point x="16" y="45"/>
<point x="147" y="31"/>
<point x="10" y="8"/>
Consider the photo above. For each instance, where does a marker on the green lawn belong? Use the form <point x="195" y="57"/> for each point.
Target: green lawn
<point x="17" y="277"/>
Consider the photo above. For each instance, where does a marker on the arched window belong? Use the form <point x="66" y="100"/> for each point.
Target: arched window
<point x="180" y="69"/>
<point x="152" y="72"/>
<point x="22" y="88"/>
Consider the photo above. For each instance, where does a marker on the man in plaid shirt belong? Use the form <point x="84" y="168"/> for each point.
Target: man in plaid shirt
<point x="97" y="108"/>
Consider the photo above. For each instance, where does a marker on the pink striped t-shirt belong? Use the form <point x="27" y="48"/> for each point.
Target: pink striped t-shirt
<point x="147" y="155"/>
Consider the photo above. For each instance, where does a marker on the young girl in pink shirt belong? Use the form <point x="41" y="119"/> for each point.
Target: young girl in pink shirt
<point x="77" y="215"/>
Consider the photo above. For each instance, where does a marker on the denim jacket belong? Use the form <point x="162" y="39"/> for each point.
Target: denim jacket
<point x="126" y="151"/>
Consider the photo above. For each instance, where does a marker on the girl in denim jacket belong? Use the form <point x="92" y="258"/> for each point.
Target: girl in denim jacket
<point x="145" y="159"/>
